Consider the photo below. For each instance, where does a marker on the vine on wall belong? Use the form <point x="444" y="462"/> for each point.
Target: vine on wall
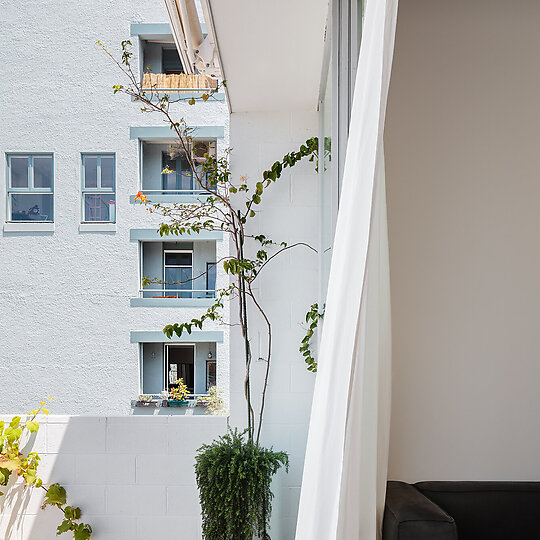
<point x="14" y="461"/>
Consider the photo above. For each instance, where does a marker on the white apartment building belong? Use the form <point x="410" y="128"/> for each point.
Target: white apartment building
<point x="75" y="244"/>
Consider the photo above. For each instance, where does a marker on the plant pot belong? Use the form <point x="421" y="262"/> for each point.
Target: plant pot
<point x="177" y="403"/>
<point x="146" y="404"/>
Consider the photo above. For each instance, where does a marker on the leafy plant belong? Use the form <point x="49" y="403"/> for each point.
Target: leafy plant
<point x="313" y="316"/>
<point x="213" y="401"/>
<point x="13" y="437"/>
<point x="145" y="398"/>
<point x="180" y="391"/>
<point x="234" y="475"/>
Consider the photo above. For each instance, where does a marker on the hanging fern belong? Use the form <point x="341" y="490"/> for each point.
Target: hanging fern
<point x="233" y="476"/>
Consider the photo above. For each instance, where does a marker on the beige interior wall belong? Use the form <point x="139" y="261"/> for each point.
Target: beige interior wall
<point x="463" y="166"/>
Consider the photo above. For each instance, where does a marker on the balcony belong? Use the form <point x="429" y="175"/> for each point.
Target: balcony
<point x="166" y="173"/>
<point x="178" y="82"/>
<point x="164" y="363"/>
<point x="177" y="274"/>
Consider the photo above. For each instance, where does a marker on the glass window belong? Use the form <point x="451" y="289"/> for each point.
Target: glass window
<point x="179" y="178"/>
<point x="178" y="273"/>
<point x="211" y="272"/>
<point x="99" y="197"/>
<point x="30" y="187"/>
<point x="43" y="172"/>
<point x="170" y="61"/>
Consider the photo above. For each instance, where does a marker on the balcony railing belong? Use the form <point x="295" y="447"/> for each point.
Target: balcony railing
<point x="150" y="192"/>
<point x="177" y="293"/>
<point x="178" y="82"/>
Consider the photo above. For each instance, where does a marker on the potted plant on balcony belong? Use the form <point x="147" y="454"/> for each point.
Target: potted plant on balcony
<point x="178" y="393"/>
<point x="146" y="400"/>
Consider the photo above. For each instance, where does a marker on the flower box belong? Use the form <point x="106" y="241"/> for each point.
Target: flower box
<point x="177" y="403"/>
<point x="147" y="403"/>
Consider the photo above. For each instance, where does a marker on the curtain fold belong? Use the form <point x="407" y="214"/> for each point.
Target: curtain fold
<point x="344" y="479"/>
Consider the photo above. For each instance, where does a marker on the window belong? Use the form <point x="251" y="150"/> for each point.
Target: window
<point x="211" y="378"/>
<point x="170" y="61"/>
<point x="99" y="198"/>
<point x="30" y="187"/>
<point x="178" y="273"/>
<point x="180" y="365"/>
<point x="179" y="178"/>
<point x="211" y="273"/>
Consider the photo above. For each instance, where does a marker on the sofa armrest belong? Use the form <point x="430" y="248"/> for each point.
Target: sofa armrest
<point x="409" y="515"/>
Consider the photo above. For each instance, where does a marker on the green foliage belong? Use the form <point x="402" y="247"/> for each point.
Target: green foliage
<point x="313" y="316"/>
<point x="13" y="460"/>
<point x="180" y="391"/>
<point x="213" y="401"/>
<point x="234" y="476"/>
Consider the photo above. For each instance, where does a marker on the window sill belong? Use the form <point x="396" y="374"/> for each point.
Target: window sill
<point x="97" y="227"/>
<point x="28" y="226"/>
<point x="171" y="302"/>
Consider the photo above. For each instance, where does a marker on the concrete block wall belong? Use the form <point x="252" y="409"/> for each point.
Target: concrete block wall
<point x="132" y="477"/>
<point x="289" y="212"/>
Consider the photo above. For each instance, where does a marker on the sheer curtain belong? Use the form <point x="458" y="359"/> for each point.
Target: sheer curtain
<point x="344" y="480"/>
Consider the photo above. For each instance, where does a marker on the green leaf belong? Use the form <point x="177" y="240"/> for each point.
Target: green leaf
<point x="56" y="495"/>
<point x="65" y="526"/>
<point x="32" y="426"/>
<point x="4" y="476"/>
<point x="192" y="101"/>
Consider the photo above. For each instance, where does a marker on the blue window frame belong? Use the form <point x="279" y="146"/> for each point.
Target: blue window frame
<point x="30" y="195"/>
<point x="99" y="188"/>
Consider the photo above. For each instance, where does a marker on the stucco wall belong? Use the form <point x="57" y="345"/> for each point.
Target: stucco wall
<point x="289" y="285"/>
<point x="462" y="166"/>
<point x="64" y="296"/>
<point x="132" y="477"/>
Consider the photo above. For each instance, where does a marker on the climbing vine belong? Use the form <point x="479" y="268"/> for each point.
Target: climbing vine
<point x="313" y="317"/>
<point x="14" y="461"/>
<point x="234" y="472"/>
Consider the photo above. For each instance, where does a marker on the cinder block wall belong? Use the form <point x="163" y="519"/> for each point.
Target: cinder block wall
<point x="132" y="477"/>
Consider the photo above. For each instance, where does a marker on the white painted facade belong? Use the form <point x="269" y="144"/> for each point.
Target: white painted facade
<point x="65" y="293"/>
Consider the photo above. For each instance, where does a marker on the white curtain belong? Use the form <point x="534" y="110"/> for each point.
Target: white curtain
<point x="344" y="480"/>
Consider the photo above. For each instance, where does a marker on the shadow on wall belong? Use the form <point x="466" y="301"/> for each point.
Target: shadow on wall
<point x="132" y="477"/>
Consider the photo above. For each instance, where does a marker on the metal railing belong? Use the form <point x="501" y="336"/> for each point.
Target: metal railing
<point x="177" y="293"/>
<point x="150" y="192"/>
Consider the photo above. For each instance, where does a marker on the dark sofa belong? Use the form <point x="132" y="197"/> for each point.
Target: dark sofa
<point x="462" y="511"/>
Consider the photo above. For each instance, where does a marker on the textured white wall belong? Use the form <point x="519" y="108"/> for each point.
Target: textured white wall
<point x="289" y="212"/>
<point x="132" y="477"/>
<point x="462" y="166"/>
<point x="64" y="297"/>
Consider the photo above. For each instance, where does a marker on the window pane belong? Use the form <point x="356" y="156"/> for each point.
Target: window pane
<point x="171" y="62"/>
<point x="210" y="279"/>
<point x="107" y="172"/>
<point x="169" y="179"/>
<point x="186" y="180"/>
<point x="178" y="279"/>
<point x="90" y="172"/>
<point x="31" y="207"/>
<point x="43" y="172"/>
<point x="19" y="172"/>
<point x="178" y="259"/>
<point x="99" y="207"/>
<point x="210" y="374"/>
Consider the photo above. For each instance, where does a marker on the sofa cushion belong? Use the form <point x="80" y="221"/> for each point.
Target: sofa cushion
<point x="489" y="510"/>
<point x="409" y="515"/>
